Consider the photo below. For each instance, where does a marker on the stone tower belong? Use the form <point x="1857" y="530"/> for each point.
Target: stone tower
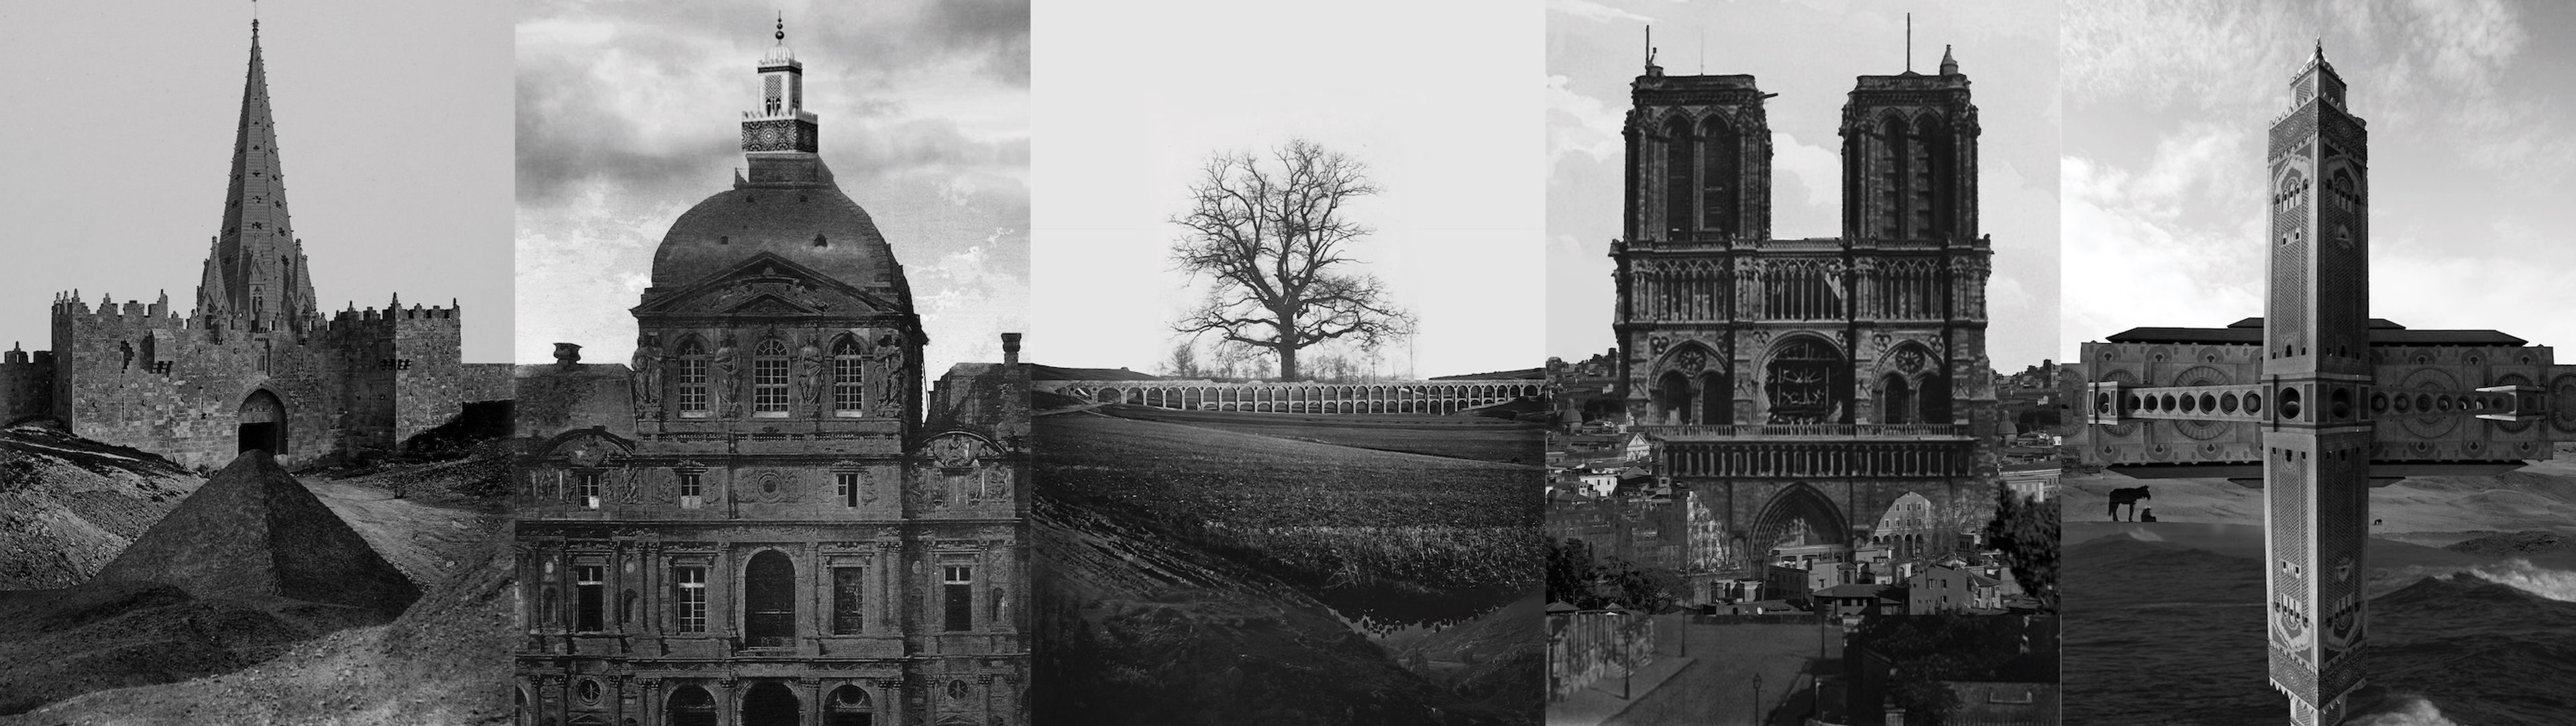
<point x="255" y="277"/>
<point x="2316" y="494"/>
<point x="1799" y="389"/>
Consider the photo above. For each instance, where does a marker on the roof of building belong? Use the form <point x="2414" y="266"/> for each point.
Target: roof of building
<point x="2249" y="331"/>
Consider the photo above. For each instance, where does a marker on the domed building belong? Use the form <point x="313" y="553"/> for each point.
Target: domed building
<point x="762" y="519"/>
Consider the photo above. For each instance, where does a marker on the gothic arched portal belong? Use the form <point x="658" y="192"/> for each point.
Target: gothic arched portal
<point x="1799" y="516"/>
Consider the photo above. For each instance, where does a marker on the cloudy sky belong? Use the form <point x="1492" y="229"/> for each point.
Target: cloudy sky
<point x="1441" y="99"/>
<point x="394" y="119"/>
<point x="629" y="114"/>
<point x="1809" y="53"/>
<point x="2472" y="121"/>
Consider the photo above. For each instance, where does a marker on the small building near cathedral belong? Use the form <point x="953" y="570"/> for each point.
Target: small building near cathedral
<point x="256" y="365"/>
<point x="761" y="519"/>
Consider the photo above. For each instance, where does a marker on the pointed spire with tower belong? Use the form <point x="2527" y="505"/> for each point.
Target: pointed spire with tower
<point x="255" y="277"/>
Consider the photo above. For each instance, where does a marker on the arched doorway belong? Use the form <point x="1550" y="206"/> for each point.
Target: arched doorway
<point x="1800" y="517"/>
<point x="769" y="601"/>
<point x="848" y="706"/>
<point x="263" y="423"/>
<point x="690" y="706"/>
<point x="769" y="703"/>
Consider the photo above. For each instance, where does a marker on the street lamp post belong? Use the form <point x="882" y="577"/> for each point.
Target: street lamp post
<point x="1757" y="698"/>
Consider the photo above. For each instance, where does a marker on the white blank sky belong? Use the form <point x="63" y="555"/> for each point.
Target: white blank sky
<point x="1441" y="99"/>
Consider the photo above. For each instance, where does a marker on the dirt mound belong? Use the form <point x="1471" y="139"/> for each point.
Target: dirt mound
<point x="69" y="505"/>
<point x="445" y="661"/>
<point x="59" y="643"/>
<point x="253" y="531"/>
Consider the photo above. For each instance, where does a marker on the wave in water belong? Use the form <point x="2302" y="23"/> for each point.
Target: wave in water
<point x="2516" y="573"/>
<point x="2410" y="711"/>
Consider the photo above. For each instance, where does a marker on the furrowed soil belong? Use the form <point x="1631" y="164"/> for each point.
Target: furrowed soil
<point x="1213" y="568"/>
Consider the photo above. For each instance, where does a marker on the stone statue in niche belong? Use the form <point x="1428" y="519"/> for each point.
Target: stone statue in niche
<point x="648" y="372"/>
<point x="723" y="365"/>
<point x="887" y="364"/>
<point x="810" y="373"/>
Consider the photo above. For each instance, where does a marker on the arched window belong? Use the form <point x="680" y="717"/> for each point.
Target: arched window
<point x="849" y="370"/>
<point x="1681" y="152"/>
<point x="1892" y="160"/>
<point x="769" y="379"/>
<point x="693" y="379"/>
<point x="1896" y="400"/>
<point x="1673" y="397"/>
<point x="690" y="706"/>
<point x="848" y="706"/>
<point x="1721" y="168"/>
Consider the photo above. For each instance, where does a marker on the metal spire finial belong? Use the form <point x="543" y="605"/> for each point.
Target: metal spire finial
<point x="781" y="35"/>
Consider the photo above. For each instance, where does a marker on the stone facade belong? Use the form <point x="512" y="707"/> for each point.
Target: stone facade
<point x="255" y="365"/>
<point x="1800" y="387"/>
<point x="760" y="519"/>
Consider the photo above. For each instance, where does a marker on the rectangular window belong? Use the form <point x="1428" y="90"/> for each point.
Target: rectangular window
<point x="848" y="395"/>
<point x="693" y="387"/>
<point x="592" y="595"/>
<point x="692" y="600"/>
<point x="692" y="494"/>
<point x="847" y="600"/>
<point x="587" y="483"/>
<point x="958" y="592"/>
<point x="846" y="484"/>
<point x="769" y="386"/>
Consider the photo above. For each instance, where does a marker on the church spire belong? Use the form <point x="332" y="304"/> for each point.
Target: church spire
<point x="258" y="265"/>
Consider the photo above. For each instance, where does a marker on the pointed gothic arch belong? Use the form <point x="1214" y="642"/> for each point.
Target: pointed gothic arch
<point x="1799" y="515"/>
<point x="1681" y="157"/>
<point x="1721" y="181"/>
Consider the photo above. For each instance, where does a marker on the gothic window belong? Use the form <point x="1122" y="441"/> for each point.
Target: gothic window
<point x="1936" y="188"/>
<point x="1681" y="151"/>
<point x="693" y="379"/>
<point x="769" y="379"/>
<point x="957" y="590"/>
<point x="1806" y="381"/>
<point x="849" y="371"/>
<point x="690" y="603"/>
<point x="590" y="599"/>
<point x="1896" y="400"/>
<point x="1673" y="396"/>
<point x="1892" y="161"/>
<point x="847" y="600"/>
<point x="1722" y="159"/>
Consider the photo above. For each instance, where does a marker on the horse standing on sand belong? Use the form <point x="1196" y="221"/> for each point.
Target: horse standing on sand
<point x="2128" y="496"/>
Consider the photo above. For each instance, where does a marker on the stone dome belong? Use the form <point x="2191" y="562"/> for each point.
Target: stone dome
<point x="811" y="224"/>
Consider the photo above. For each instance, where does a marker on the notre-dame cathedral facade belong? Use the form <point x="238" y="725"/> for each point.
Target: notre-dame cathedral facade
<point x="256" y="364"/>
<point x="763" y="520"/>
<point x="1798" y="388"/>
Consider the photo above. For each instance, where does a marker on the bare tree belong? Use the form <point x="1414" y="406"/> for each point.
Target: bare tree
<point x="1184" y="362"/>
<point x="1272" y="234"/>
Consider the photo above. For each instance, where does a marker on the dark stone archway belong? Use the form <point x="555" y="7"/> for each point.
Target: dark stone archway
<point x="769" y="601"/>
<point x="769" y="703"/>
<point x="263" y="424"/>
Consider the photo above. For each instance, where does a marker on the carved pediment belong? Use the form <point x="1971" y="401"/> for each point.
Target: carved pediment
<point x="768" y="285"/>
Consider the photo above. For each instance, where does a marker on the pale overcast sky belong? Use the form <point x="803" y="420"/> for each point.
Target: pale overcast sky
<point x="393" y="120"/>
<point x="1441" y="99"/>
<point x="630" y="113"/>
<point x="2472" y="121"/>
<point x="1809" y="53"/>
